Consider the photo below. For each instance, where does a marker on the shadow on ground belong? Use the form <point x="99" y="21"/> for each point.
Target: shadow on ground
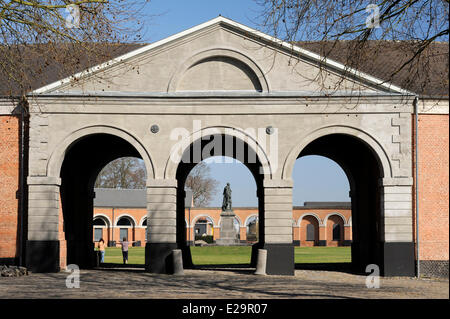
<point x="240" y="268"/>
<point x="338" y="267"/>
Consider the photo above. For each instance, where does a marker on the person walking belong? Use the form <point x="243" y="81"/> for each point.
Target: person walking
<point x="101" y="248"/>
<point x="124" y="243"/>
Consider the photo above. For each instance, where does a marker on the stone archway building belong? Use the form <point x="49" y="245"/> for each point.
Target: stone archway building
<point x="200" y="91"/>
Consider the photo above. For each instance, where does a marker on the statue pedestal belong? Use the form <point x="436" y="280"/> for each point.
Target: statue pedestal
<point x="228" y="235"/>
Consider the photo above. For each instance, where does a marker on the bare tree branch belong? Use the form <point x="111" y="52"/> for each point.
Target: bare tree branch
<point x="367" y="34"/>
<point x="69" y="32"/>
<point x="203" y="187"/>
<point x="123" y="173"/>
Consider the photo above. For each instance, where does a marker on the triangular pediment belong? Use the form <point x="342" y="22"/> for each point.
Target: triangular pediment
<point x="219" y="56"/>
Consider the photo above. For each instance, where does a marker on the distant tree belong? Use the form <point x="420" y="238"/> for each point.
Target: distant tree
<point x="203" y="186"/>
<point x="123" y="173"/>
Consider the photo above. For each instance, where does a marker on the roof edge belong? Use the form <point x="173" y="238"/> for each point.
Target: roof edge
<point x="222" y="20"/>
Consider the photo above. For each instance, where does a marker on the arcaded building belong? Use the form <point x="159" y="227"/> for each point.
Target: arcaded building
<point x="224" y="89"/>
<point x="122" y="214"/>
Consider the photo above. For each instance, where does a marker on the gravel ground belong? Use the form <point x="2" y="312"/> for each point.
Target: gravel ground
<point x="216" y="283"/>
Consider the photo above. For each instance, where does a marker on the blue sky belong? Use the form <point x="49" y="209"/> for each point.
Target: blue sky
<point x="316" y="178"/>
<point x="169" y="17"/>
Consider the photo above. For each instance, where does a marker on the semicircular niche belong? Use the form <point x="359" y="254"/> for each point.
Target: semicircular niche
<point x="219" y="73"/>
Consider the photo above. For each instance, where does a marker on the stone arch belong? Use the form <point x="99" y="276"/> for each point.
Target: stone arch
<point x="379" y="152"/>
<point x="246" y="222"/>
<point x="366" y="163"/>
<point x="105" y="218"/>
<point x="142" y="221"/>
<point x="194" y="220"/>
<point x="309" y="214"/>
<point x="173" y="162"/>
<point x="325" y="220"/>
<point x="57" y="156"/>
<point x="313" y="221"/>
<point x="337" y="221"/>
<point x="128" y="216"/>
<point x="231" y="54"/>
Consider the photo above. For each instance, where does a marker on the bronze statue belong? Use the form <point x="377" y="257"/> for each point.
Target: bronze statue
<point x="226" y="205"/>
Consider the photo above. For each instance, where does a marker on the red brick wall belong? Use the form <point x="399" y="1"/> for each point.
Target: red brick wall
<point x="433" y="187"/>
<point x="9" y="184"/>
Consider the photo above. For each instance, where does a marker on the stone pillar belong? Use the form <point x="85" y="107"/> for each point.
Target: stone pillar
<point x="278" y="227"/>
<point x="398" y="244"/>
<point x="161" y="225"/>
<point x="42" y="249"/>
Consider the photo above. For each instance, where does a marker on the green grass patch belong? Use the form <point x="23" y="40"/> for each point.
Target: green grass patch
<point x="306" y="255"/>
<point x="218" y="255"/>
<point x="136" y="255"/>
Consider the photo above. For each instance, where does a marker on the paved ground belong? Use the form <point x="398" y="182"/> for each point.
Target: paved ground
<point x="217" y="283"/>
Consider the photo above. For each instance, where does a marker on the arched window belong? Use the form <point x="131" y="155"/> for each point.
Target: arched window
<point x="124" y="221"/>
<point x="201" y="227"/>
<point x="310" y="232"/>
<point x="252" y="228"/>
<point x="144" y="224"/>
<point x="126" y="224"/>
<point x="99" y="222"/>
<point x="336" y="232"/>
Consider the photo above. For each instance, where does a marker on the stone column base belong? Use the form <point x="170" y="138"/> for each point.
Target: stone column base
<point x="399" y="259"/>
<point x="280" y="259"/>
<point x="158" y="257"/>
<point x="42" y="256"/>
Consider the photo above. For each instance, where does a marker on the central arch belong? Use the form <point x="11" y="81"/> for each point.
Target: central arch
<point x="254" y="158"/>
<point x="243" y="137"/>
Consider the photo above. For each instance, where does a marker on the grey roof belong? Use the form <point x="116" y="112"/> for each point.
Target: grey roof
<point x="111" y="197"/>
<point x="43" y="64"/>
<point x="137" y="198"/>
<point x="327" y="204"/>
<point x="130" y="198"/>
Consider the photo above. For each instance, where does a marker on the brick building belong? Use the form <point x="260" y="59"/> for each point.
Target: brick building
<point x="123" y="213"/>
<point x="394" y="145"/>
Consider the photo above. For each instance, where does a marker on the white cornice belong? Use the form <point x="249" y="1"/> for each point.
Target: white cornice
<point x="6" y="106"/>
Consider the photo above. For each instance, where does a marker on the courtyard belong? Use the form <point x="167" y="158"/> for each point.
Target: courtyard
<point x="223" y="273"/>
<point x="217" y="283"/>
<point x="219" y="255"/>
